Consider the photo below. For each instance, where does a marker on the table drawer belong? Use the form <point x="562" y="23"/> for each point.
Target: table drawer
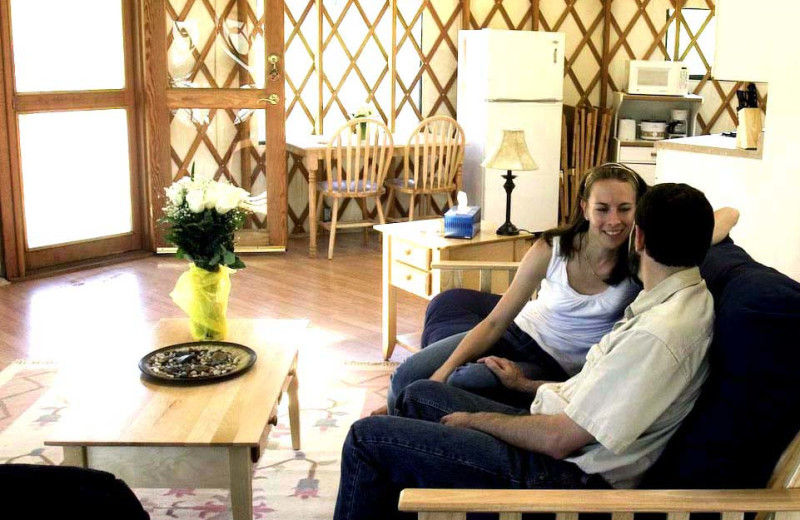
<point x="637" y="154"/>
<point x="411" y="254"/>
<point x="411" y="279"/>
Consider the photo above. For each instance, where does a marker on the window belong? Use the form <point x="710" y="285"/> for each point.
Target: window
<point x="695" y="37"/>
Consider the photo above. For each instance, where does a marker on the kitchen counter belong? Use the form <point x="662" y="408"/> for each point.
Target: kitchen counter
<point x="716" y="144"/>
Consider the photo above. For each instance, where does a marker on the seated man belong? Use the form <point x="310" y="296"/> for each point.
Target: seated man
<point x="602" y="428"/>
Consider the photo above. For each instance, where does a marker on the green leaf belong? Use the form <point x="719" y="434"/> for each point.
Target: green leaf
<point x="230" y="258"/>
<point x="238" y="264"/>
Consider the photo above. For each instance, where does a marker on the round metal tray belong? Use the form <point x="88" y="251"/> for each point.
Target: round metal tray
<point x="246" y="358"/>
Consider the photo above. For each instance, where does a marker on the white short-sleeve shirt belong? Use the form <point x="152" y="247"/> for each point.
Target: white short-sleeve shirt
<point x="640" y="381"/>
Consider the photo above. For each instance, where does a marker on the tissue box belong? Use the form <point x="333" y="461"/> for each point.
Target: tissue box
<point x="462" y="225"/>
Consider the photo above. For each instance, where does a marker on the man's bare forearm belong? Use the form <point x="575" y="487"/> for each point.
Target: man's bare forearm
<point x="553" y="435"/>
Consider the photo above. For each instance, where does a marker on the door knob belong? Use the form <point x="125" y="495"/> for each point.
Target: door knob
<point x="274" y="73"/>
<point x="272" y="99"/>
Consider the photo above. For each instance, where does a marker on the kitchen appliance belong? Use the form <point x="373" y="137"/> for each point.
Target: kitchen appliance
<point x="658" y="77"/>
<point x="653" y="130"/>
<point x="512" y="79"/>
<point x="627" y="130"/>
<point x="678" y="124"/>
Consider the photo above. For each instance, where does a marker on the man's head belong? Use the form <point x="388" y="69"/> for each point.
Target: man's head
<point x="675" y="223"/>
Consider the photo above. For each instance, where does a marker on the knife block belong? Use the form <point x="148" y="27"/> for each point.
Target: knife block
<point x="749" y="129"/>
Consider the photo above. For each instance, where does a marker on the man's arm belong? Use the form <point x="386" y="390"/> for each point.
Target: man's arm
<point x="555" y="435"/>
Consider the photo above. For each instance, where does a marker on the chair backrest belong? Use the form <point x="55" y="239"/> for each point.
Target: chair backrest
<point x="434" y="153"/>
<point x="354" y="165"/>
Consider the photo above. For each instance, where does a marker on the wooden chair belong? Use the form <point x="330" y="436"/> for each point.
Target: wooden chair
<point x="782" y="497"/>
<point x="355" y="168"/>
<point x="432" y="163"/>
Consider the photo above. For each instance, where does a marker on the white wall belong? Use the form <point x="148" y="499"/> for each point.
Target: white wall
<point x="780" y="220"/>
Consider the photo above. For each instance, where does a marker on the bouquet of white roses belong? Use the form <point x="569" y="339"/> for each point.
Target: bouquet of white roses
<point x="202" y="215"/>
<point x="363" y="111"/>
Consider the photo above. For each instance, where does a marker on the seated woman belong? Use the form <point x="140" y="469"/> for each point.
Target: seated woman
<point x="584" y="285"/>
<point x="581" y="274"/>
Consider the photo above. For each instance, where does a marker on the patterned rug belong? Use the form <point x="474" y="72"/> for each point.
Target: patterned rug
<point x="286" y="484"/>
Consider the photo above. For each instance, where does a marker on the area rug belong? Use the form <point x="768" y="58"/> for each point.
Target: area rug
<point x="287" y="484"/>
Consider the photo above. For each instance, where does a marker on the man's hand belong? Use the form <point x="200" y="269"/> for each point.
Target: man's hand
<point x="509" y="373"/>
<point x="459" y="419"/>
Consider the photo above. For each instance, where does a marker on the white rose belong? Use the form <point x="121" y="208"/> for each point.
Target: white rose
<point x="194" y="198"/>
<point x="175" y="194"/>
<point x="229" y="198"/>
<point x="212" y="193"/>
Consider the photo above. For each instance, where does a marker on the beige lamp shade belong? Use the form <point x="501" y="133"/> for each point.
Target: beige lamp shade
<point x="512" y="154"/>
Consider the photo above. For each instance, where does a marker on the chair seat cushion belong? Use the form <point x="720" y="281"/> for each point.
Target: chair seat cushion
<point x="344" y="187"/>
<point x="747" y="412"/>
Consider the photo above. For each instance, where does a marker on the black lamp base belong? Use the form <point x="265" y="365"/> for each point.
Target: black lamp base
<point x="508" y="229"/>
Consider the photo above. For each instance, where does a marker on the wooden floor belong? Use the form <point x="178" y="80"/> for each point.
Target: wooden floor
<point x="98" y="311"/>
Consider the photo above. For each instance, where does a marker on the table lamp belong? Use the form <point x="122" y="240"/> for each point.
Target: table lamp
<point x="511" y="155"/>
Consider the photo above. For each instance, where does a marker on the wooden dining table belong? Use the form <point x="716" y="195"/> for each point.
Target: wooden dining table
<point x="311" y="148"/>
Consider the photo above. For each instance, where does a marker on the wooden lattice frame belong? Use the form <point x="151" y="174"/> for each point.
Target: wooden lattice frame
<point x="596" y="88"/>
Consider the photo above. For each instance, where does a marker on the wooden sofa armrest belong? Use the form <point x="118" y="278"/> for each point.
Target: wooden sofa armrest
<point x="453" y="504"/>
<point x="486" y="269"/>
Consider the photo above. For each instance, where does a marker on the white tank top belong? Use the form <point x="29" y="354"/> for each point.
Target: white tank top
<point x="566" y="323"/>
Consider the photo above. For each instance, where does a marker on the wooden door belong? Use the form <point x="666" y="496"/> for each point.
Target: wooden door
<point x="215" y="100"/>
<point x="69" y="160"/>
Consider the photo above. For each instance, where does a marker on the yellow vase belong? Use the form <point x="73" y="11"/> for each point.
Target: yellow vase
<point x="203" y="296"/>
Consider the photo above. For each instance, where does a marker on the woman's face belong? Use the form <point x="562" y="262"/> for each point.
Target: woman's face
<point x="610" y="210"/>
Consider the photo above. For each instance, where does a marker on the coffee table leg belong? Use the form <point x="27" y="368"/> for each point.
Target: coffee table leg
<point x="241" y="471"/>
<point x="294" y="409"/>
<point x="75" y="456"/>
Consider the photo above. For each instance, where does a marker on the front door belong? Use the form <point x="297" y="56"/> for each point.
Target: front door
<point x="69" y="153"/>
<point x="214" y="81"/>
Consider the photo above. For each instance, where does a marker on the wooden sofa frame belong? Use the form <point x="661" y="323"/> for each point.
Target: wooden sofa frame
<point x="781" y="498"/>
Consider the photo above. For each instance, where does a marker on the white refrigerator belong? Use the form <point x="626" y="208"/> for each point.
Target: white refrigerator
<point x="512" y="80"/>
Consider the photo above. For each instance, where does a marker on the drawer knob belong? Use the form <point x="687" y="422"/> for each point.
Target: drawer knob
<point x="408" y="252"/>
<point x="408" y="277"/>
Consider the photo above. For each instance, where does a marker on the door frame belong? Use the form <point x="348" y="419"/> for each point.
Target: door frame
<point x="160" y="98"/>
<point x="18" y="260"/>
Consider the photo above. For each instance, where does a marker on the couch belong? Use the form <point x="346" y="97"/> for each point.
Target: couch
<point x="746" y="416"/>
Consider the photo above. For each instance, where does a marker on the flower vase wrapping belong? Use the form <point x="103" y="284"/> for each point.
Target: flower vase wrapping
<point x="203" y="296"/>
<point x="202" y="217"/>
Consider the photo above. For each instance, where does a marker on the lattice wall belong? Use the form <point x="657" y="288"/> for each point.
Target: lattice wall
<point x="426" y="33"/>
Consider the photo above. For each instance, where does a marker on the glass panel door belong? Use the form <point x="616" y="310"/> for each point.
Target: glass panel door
<point x="225" y="97"/>
<point x="72" y="128"/>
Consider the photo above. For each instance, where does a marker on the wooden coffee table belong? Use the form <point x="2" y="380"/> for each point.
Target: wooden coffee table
<point x="207" y="436"/>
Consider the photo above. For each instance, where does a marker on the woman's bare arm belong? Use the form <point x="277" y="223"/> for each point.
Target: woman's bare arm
<point x="529" y="276"/>
<point x="724" y="220"/>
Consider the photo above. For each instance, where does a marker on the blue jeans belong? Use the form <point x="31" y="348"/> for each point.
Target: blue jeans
<point x="515" y="345"/>
<point x="382" y="455"/>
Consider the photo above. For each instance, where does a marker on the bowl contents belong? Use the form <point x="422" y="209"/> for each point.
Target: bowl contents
<point x="193" y="362"/>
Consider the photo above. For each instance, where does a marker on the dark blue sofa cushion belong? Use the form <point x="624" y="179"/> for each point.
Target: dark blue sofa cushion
<point x="455" y="311"/>
<point x="747" y="411"/>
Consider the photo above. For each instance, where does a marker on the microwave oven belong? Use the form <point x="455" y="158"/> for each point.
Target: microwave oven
<point x="666" y="78"/>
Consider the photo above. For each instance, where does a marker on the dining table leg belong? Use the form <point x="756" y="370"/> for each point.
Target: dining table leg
<point x="311" y="162"/>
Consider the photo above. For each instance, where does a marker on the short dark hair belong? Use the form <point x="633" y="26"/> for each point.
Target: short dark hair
<point x="677" y="221"/>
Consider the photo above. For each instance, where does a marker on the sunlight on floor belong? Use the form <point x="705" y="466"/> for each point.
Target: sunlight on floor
<point x="101" y="316"/>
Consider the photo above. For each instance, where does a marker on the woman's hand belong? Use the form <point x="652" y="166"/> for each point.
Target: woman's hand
<point x="440" y="375"/>
<point x="507" y="371"/>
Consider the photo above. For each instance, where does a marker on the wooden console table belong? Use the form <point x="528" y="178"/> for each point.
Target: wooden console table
<point x="409" y="248"/>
